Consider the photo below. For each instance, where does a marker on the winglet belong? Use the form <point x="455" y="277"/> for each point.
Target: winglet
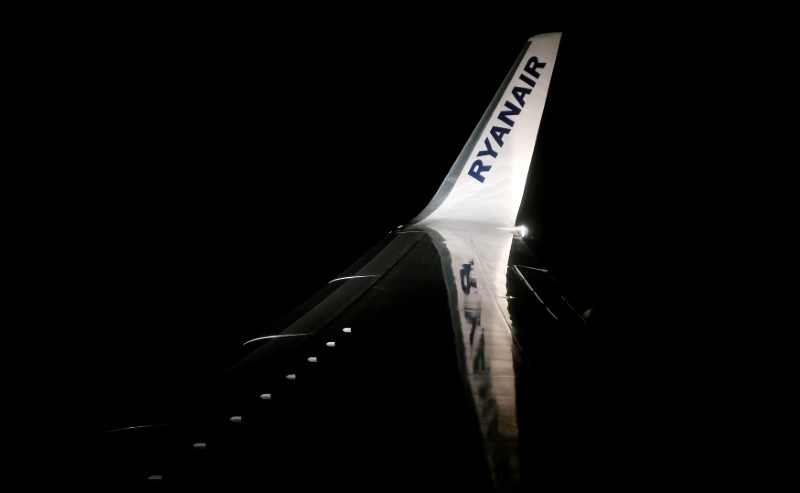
<point x="486" y="183"/>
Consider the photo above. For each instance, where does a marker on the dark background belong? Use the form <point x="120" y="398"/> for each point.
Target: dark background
<point x="221" y="173"/>
<point x="212" y="170"/>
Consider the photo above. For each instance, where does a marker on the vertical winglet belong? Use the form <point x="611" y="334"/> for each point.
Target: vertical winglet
<point x="486" y="183"/>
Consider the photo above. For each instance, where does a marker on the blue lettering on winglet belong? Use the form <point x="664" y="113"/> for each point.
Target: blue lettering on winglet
<point x="498" y="131"/>
<point x="477" y="169"/>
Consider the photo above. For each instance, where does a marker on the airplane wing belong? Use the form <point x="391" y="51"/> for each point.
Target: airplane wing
<point x="446" y="357"/>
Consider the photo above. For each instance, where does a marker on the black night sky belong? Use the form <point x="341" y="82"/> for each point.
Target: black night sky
<point x="218" y="170"/>
<point x="188" y="176"/>
<point x="226" y="174"/>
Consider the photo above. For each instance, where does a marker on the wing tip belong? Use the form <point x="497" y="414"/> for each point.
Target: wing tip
<point x="541" y="35"/>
